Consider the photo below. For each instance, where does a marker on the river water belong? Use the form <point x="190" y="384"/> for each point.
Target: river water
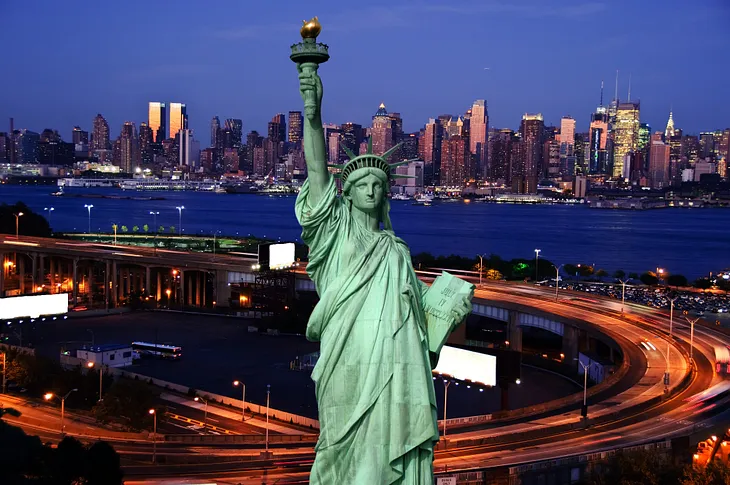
<point x="692" y="242"/>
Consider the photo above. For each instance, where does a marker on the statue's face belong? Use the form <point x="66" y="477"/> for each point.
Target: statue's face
<point x="367" y="194"/>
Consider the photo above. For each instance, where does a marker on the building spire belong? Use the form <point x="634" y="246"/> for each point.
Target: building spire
<point x="601" y="93"/>
<point x="615" y="96"/>
<point x="629" y="97"/>
<point x="669" y="132"/>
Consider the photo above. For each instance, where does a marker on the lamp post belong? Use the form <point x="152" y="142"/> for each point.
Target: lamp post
<point x="623" y="294"/>
<point x="481" y="267"/>
<point x="89" y="207"/>
<point x="114" y="226"/>
<point x="557" y="280"/>
<point x="215" y="233"/>
<point x="90" y="365"/>
<point x="49" y="395"/>
<point x="5" y="374"/>
<point x="49" y="209"/>
<point x="447" y="383"/>
<point x="17" y="224"/>
<point x="200" y="399"/>
<point x="243" y="398"/>
<point x="268" y="400"/>
<point x="691" y="322"/>
<point x="154" y="436"/>
<point x="669" y="342"/>
<point x="584" y="409"/>
<point x="179" y="212"/>
<point x="537" y="258"/>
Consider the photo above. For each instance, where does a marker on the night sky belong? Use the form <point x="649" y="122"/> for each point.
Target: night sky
<point x="66" y="61"/>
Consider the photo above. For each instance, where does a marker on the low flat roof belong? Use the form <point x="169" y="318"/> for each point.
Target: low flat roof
<point x="107" y="347"/>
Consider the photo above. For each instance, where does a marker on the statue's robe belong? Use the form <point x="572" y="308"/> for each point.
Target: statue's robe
<point x="375" y="393"/>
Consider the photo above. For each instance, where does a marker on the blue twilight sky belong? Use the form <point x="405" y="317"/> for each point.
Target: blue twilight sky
<point x="66" y="61"/>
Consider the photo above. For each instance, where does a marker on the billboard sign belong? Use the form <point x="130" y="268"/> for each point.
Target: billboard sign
<point x="33" y="306"/>
<point x="466" y="365"/>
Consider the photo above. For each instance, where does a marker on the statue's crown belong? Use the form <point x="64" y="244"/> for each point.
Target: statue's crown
<point x="369" y="160"/>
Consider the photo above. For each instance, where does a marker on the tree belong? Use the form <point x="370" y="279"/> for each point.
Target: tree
<point x="677" y="280"/>
<point x="601" y="273"/>
<point x="643" y="467"/>
<point x="702" y="283"/>
<point x="493" y="274"/>
<point x="29" y="224"/>
<point x="125" y="229"/>
<point x="161" y="229"/>
<point x="715" y="473"/>
<point x="104" y="466"/>
<point x="146" y="228"/>
<point x="135" y="228"/>
<point x="619" y="274"/>
<point x="579" y="269"/>
<point x="70" y="461"/>
<point x="649" y="278"/>
<point x="634" y="276"/>
<point x="128" y="400"/>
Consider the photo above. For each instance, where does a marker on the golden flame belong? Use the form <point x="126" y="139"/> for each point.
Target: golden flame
<point x="311" y="28"/>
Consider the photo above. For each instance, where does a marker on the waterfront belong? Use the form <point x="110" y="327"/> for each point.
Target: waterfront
<point x="692" y="242"/>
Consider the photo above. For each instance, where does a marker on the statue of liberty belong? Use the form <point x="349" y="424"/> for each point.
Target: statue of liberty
<point x="373" y="381"/>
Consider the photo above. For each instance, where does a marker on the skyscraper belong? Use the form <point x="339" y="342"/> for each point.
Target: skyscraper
<point x="669" y="131"/>
<point x="277" y="128"/>
<point x="157" y="120"/>
<point x="382" y="131"/>
<point x="100" y="138"/>
<point x="215" y="126"/>
<point x="79" y="136"/>
<point x="432" y="141"/>
<point x="500" y="143"/>
<point x="455" y="161"/>
<point x="532" y="131"/>
<point x="26" y="146"/>
<point x="129" y="147"/>
<point x="189" y="150"/>
<point x="478" y="130"/>
<point x="146" y="138"/>
<point x="659" y="163"/>
<point x="235" y="126"/>
<point x="598" y="138"/>
<point x="626" y="137"/>
<point x="178" y="118"/>
<point x="644" y="147"/>
<point x="295" y="127"/>
<point x="567" y="146"/>
<point x="351" y="136"/>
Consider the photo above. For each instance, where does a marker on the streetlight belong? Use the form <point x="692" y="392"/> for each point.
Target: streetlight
<point x="214" y="235"/>
<point x="179" y="211"/>
<point x="557" y="280"/>
<point x="584" y="409"/>
<point x="623" y="294"/>
<point x="200" y="399"/>
<point x="243" y="399"/>
<point x="155" y="214"/>
<point x="447" y="383"/>
<point x="691" y="322"/>
<point x="114" y="226"/>
<point x="481" y="267"/>
<point x="268" y="396"/>
<point x="49" y="395"/>
<point x="17" y="224"/>
<point x="49" y="209"/>
<point x="154" y="436"/>
<point x="88" y="207"/>
<point x="537" y="257"/>
<point x="90" y="365"/>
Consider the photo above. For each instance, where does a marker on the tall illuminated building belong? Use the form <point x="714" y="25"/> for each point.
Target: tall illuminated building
<point x="235" y="127"/>
<point x="567" y="146"/>
<point x="478" y="133"/>
<point x="146" y="138"/>
<point x="382" y="131"/>
<point x="296" y="128"/>
<point x="215" y="126"/>
<point x="532" y="131"/>
<point x="351" y="136"/>
<point x="626" y="135"/>
<point x="455" y="161"/>
<point x="431" y="153"/>
<point x="157" y="120"/>
<point x="129" y="147"/>
<point x="669" y="131"/>
<point x="644" y="148"/>
<point x="659" y="163"/>
<point x="500" y="148"/>
<point x="100" y="133"/>
<point x="178" y="118"/>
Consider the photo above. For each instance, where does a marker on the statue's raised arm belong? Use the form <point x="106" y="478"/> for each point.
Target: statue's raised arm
<point x="310" y="87"/>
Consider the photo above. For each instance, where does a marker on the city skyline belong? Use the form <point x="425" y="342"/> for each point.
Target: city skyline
<point x="253" y="95"/>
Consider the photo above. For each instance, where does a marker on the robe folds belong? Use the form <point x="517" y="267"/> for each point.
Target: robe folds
<point x="373" y="382"/>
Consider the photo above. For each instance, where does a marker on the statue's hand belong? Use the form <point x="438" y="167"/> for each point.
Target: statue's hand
<point x="310" y="86"/>
<point x="463" y="309"/>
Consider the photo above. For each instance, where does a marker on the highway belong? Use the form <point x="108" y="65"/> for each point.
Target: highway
<point x="644" y="412"/>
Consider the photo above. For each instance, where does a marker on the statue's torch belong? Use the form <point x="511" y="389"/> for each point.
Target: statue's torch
<point x="309" y="54"/>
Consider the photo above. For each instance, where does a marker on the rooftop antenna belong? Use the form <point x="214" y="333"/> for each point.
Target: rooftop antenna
<point x="629" y="100"/>
<point x="601" y="93"/>
<point x="615" y="96"/>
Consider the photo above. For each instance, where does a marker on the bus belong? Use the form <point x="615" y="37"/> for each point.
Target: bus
<point x="157" y="350"/>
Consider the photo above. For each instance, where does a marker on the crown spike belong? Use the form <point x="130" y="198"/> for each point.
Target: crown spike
<point x="350" y="153"/>
<point x="390" y="151"/>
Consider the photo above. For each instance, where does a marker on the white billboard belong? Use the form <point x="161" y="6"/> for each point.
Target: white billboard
<point x="33" y="306"/>
<point x="281" y="255"/>
<point x="465" y="365"/>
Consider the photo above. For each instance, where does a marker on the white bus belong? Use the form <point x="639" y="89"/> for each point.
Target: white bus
<point x="157" y="350"/>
